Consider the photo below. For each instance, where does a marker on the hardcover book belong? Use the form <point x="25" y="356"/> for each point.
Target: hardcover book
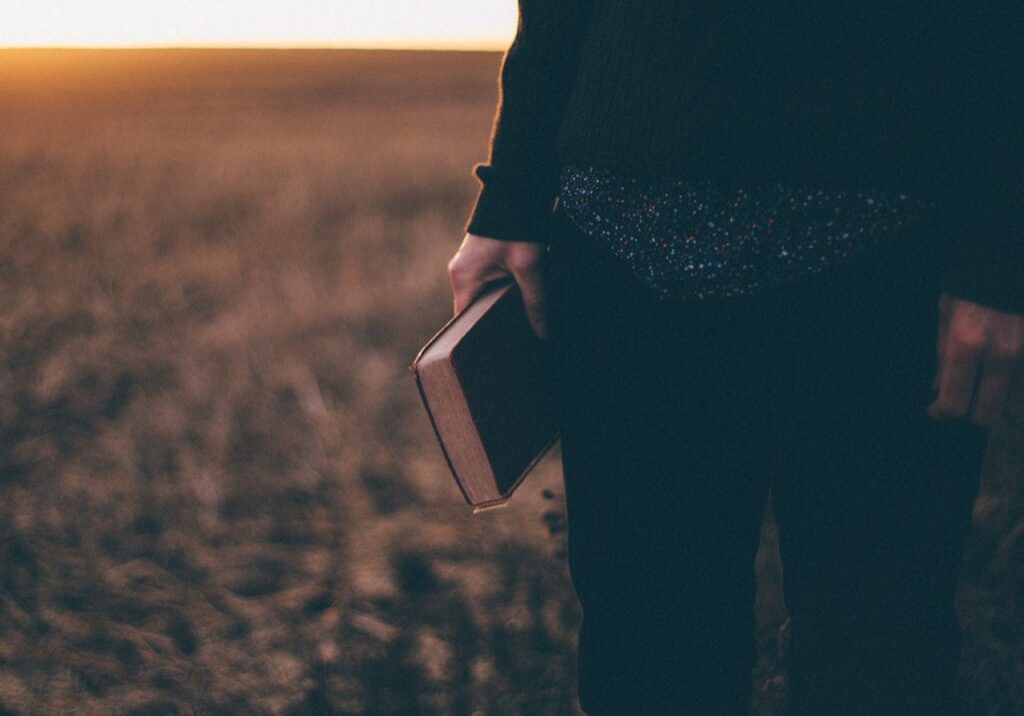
<point x="485" y="383"/>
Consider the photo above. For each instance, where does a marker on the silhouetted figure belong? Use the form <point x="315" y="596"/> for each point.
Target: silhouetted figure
<point x="771" y="246"/>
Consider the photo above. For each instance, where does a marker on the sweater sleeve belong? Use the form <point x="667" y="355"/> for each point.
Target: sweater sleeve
<point x="986" y="213"/>
<point x="986" y="261"/>
<point x="519" y="182"/>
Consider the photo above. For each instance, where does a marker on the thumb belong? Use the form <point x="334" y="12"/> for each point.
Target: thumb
<point x="531" y="287"/>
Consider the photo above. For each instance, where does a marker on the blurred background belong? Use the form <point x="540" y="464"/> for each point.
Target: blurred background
<point x="224" y="231"/>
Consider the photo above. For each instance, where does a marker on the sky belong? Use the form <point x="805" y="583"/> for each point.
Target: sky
<point x="336" y="23"/>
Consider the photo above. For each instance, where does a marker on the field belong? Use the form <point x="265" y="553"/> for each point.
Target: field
<point x="218" y="491"/>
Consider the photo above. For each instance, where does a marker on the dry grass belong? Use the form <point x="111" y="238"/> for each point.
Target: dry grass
<point x="218" y="493"/>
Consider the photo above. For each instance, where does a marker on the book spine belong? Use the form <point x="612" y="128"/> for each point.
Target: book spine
<point x="437" y="434"/>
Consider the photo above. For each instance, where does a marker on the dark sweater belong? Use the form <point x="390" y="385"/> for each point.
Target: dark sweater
<point x="923" y="97"/>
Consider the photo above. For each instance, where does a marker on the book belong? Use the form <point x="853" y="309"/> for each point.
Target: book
<point x="485" y="381"/>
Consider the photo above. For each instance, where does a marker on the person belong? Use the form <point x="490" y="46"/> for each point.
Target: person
<point x="770" y="247"/>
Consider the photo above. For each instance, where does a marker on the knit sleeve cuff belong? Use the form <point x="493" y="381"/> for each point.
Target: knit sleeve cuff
<point x="510" y="210"/>
<point x="986" y="261"/>
<point x="979" y="273"/>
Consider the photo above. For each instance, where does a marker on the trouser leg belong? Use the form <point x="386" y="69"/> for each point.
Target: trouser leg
<point x="873" y="498"/>
<point x="664" y="442"/>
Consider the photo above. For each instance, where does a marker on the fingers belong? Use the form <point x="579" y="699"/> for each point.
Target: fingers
<point x="999" y="364"/>
<point x="530" y="278"/>
<point x="993" y="391"/>
<point x="481" y="260"/>
<point x="979" y="351"/>
<point x="464" y="290"/>
<point x="945" y="310"/>
<point x="959" y="361"/>
<point x="467" y="279"/>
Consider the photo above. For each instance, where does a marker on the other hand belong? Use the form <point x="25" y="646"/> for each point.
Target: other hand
<point x="481" y="259"/>
<point x="979" y="352"/>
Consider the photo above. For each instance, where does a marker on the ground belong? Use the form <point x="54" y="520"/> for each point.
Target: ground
<point x="218" y="491"/>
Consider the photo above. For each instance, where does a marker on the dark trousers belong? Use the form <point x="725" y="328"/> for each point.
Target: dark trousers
<point x="677" y="418"/>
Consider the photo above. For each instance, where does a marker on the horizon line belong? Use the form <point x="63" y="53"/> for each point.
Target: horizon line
<point x="467" y="46"/>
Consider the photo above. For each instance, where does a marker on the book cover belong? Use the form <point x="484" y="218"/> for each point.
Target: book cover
<point x="485" y="382"/>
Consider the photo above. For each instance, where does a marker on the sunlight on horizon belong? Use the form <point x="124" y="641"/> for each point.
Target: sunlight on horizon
<point x="455" y="24"/>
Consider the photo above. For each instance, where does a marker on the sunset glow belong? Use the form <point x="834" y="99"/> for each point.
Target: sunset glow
<point x="332" y="23"/>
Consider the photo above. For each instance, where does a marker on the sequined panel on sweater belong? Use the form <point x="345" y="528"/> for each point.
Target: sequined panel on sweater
<point x="694" y="240"/>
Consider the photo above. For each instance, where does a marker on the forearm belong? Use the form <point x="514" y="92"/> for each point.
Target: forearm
<point x="986" y="209"/>
<point x="986" y="259"/>
<point x="520" y="179"/>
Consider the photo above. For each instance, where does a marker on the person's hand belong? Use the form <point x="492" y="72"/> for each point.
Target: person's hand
<point x="979" y="351"/>
<point x="481" y="259"/>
